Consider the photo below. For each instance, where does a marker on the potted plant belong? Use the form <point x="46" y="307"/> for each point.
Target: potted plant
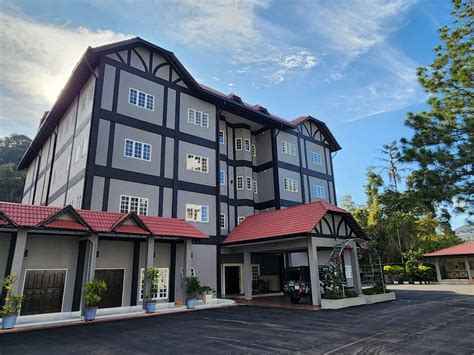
<point x="207" y="293"/>
<point x="92" y="296"/>
<point x="152" y="275"/>
<point x="193" y="288"/>
<point x="13" y="302"/>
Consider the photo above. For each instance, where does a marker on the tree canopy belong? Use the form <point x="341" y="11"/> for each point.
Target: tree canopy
<point x="443" y="140"/>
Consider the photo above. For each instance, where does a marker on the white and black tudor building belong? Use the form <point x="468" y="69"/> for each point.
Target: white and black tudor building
<point x="133" y="131"/>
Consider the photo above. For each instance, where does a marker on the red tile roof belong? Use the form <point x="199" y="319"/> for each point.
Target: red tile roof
<point x="34" y="216"/>
<point x="461" y="249"/>
<point x="300" y="219"/>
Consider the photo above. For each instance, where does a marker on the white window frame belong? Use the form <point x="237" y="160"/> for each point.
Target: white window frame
<point x="238" y="141"/>
<point x="77" y="156"/>
<point x="288" y="148"/>
<point x="254" y="150"/>
<point x="196" y="213"/>
<point x="222" y="177"/>
<point x="198" y="118"/>
<point x="146" y="99"/>
<point x="240" y="219"/>
<point x="316" y="158"/>
<point x="222" y="223"/>
<point x="161" y="294"/>
<point x="134" y="144"/>
<point x="142" y="202"/>
<point x="196" y="163"/>
<point x="317" y="189"/>
<point x="255" y="190"/>
<point x="290" y="185"/>
<point x="84" y="146"/>
<point x="247" y="145"/>
<point x="221" y="135"/>
<point x="240" y="182"/>
<point x="248" y="183"/>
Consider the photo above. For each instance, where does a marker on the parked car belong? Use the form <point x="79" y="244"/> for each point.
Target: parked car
<point x="296" y="283"/>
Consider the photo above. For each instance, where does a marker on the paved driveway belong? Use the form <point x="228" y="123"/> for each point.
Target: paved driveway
<point x="420" y="321"/>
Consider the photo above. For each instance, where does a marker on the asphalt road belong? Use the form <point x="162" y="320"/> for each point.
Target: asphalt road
<point x="421" y="322"/>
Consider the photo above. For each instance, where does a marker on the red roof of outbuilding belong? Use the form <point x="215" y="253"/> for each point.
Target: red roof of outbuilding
<point x="300" y="219"/>
<point x="34" y="216"/>
<point x="461" y="249"/>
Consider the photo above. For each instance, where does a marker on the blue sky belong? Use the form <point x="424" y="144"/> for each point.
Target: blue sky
<point x="351" y="64"/>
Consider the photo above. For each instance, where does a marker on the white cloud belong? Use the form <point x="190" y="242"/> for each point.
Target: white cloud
<point x="37" y="60"/>
<point x="353" y="27"/>
<point x="292" y="62"/>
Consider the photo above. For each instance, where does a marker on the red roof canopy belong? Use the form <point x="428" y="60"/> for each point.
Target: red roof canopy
<point x="300" y="219"/>
<point x="45" y="217"/>
<point x="461" y="249"/>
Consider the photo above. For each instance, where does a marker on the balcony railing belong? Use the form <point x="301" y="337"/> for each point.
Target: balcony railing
<point x="455" y="274"/>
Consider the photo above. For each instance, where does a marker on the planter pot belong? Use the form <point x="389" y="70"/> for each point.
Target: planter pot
<point x="191" y="303"/>
<point x="381" y="297"/>
<point x="9" y="321"/>
<point x="89" y="313"/>
<point x="207" y="299"/>
<point x="150" y="307"/>
<point x="342" y="303"/>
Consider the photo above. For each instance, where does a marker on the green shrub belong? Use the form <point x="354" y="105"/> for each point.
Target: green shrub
<point x="193" y="287"/>
<point x="152" y="275"/>
<point x="12" y="302"/>
<point x="92" y="291"/>
<point x="331" y="295"/>
<point x="393" y="269"/>
<point x="374" y="290"/>
<point x="350" y="294"/>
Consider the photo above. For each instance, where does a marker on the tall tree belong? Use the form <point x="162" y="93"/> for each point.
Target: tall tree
<point x="12" y="149"/>
<point x="391" y="157"/>
<point x="442" y="144"/>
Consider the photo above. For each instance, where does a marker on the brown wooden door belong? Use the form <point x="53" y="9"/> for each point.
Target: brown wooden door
<point x="114" y="280"/>
<point x="43" y="291"/>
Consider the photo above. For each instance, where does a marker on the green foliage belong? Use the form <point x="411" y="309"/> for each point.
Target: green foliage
<point x="393" y="269"/>
<point x="350" y="294"/>
<point x="152" y="275"/>
<point x="12" y="302"/>
<point x="12" y="149"/>
<point x="332" y="280"/>
<point x="443" y="145"/>
<point x="416" y="269"/>
<point x="193" y="287"/>
<point x="92" y="292"/>
<point x="206" y="290"/>
<point x="375" y="290"/>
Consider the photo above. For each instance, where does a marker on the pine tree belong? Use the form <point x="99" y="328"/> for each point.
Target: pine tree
<point x="442" y="145"/>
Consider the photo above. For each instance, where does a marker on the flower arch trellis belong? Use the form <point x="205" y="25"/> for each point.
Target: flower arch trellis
<point x="335" y="258"/>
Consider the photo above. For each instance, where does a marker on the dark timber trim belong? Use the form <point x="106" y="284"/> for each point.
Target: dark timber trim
<point x="81" y="258"/>
<point x="174" y="204"/>
<point x="36" y="179"/>
<point x="51" y="169"/>
<point x="276" y="179"/>
<point x="172" y="278"/>
<point x="93" y="137"/>
<point x="135" y="273"/>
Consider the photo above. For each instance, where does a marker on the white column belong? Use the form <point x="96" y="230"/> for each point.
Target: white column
<point x="438" y="271"/>
<point x="247" y="275"/>
<point x="355" y="269"/>
<point x="314" y="271"/>
<point x="150" y="250"/>
<point x="187" y="257"/>
<point x="17" y="262"/>
<point x="91" y="257"/>
<point x="468" y="269"/>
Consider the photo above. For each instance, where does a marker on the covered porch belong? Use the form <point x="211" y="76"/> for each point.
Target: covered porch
<point x="54" y="252"/>
<point x="258" y="254"/>
<point x="454" y="264"/>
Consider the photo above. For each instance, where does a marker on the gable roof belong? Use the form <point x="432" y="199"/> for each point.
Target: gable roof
<point x="322" y="126"/>
<point x="296" y="220"/>
<point x="84" y="69"/>
<point x="466" y="248"/>
<point x="45" y="217"/>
